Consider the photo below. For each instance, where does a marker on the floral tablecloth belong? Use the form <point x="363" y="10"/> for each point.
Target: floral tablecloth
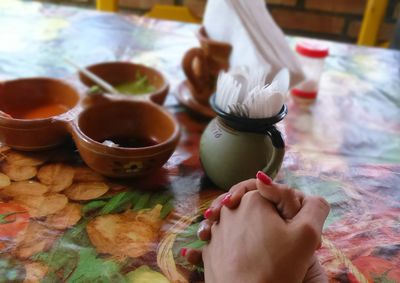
<point x="345" y="147"/>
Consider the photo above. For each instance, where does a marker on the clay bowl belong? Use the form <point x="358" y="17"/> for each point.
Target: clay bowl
<point x="146" y="133"/>
<point x="116" y="73"/>
<point x="34" y="105"/>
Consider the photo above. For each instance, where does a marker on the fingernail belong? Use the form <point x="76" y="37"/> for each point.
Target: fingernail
<point x="207" y="213"/>
<point x="183" y="251"/>
<point x="264" y="178"/>
<point x="226" y="200"/>
<point x="203" y="233"/>
<point x="319" y="246"/>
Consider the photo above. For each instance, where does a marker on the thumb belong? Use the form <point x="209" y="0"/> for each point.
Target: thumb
<point x="288" y="201"/>
<point x="309" y="221"/>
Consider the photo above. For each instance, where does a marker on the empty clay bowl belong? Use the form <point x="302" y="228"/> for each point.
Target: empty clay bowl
<point x="29" y="108"/>
<point x="147" y="136"/>
<point x="117" y="73"/>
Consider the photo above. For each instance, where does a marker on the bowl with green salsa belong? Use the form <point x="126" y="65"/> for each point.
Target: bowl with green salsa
<point x="130" y="79"/>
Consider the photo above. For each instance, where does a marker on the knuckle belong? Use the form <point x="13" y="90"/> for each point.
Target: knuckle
<point x="308" y="231"/>
<point x="289" y="194"/>
<point x="299" y="193"/>
<point x="284" y="187"/>
<point x="322" y="203"/>
<point x="250" y="196"/>
<point x="244" y="185"/>
<point x="217" y="201"/>
<point x="236" y="188"/>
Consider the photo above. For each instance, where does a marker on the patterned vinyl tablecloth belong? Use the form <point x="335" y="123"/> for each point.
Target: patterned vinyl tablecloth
<point x="346" y="147"/>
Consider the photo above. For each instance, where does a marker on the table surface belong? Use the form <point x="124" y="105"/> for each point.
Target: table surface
<point x="346" y="147"/>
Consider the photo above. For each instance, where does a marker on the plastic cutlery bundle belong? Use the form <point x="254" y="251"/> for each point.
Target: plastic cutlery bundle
<point x="245" y="93"/>
<point x="256" y="39"/>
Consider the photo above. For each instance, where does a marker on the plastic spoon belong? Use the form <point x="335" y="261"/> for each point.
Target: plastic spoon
<point x="99" y="81"/>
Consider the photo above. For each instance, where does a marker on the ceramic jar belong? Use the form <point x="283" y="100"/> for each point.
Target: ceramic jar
<point x="233" y="149"/>
<point x="202" y="65"/>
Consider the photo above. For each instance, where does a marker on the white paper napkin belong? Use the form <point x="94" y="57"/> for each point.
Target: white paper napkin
<point x="256" y="39"/>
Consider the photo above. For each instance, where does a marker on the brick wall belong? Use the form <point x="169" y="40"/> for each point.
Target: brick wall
<point x="330" y="19"/>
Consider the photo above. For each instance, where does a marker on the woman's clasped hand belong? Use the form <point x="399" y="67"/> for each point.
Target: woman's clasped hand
<point x="261" y="231"/>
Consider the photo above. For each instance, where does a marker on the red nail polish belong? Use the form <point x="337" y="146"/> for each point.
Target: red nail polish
<point x="183" y="251"/>
<point x="207" y="213"/>
<point x="226" y="200"/>
<point x="264" y="178"/>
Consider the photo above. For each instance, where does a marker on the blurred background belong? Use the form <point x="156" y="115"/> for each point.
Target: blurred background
<point x="338" y="20"/>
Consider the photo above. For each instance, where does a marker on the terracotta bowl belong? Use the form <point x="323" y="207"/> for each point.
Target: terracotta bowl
<point x="146" y="133"/>
<point x="24" y="129"/>
<point x="116" y="73"/>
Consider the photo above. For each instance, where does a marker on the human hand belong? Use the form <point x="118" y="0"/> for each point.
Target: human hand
<point x="284" y="245"/>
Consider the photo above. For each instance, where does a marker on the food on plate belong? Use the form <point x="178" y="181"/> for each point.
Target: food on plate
<point x="4" y="149"/>
<point x="44" y="205"/>
<point x="65" y="218"/>
<point x="36" y="238"/>
<point x="4" y="180"/>
<point x="128" y="234"/>
<point x="25" y="159"/>
<point x="32" y="188"/>
<point x="17" y="172"/>
<point x="57" y="176"/>
<point x="86" y="190"/>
